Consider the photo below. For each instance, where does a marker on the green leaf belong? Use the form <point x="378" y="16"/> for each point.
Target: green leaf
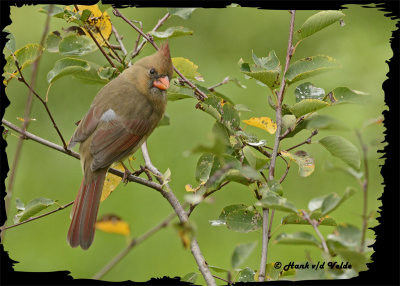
<point x="171" y="33"/>
<point x="273" y="201"/>
<point x="303" y="160"/>
<point x="93" y="75"/>
<point x="19" y="204"/>
<point x="76" y="45"/>
<point x="56" y="11"/>
<point x="285" y="107"/>
<point x="32" y="208"/>
<point x="298" y="219"/>
<point x="343" y="149"/>
<point x="187" y="68"/>
<point x="316" y="203"/>
<point x="297" y="238"/>
<point x="308" y="67"/>
<point x="265" y="70"/>
<point x="241" y="253"/>
<point x="346" y="95"/>
<point x="316" y="23"/>
<point x="165" y="121"/>
<point x="66" y="66"/>
<point x="218" y="269"/>
<point x="184" y="13"/>
<point x="25" y="56"/>
<point x="333" y="201"/>
<point x="103" y="7"/>
<point x="288" y="121"/>
<point x="306" y="106"/>
<point x="275" y="186"/>
<point x="246" y="275"/>
<point x="217" y="148"/>
<point x="347" y="170"/>
<point x="357" y="260"/>
<point x="323" y="122"/>
<point x="204" y="165"/>
<point x="10" y="44"/>
<point x="344" y="236"/>
<point x="271" y="272"/>
<point x="177" y="92"/>
<point x="190" y="277"/>
<point x="243" y="220"/>
<point x="308" y="91"/>
<point x="52" y="41"/>
<point x="219" y="130"/>
<point x="107" y="73"/>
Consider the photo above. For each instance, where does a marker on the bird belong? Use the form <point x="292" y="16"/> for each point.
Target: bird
<point x="121" y="117"/>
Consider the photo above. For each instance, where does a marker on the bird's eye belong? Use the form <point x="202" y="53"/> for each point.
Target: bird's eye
<point x="152" y="71"/>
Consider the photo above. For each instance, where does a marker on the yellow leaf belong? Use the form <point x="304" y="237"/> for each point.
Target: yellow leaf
<point x="98" y="22"/>
<point x="111" y="182"/>
<point x="264" y="123"/>
<point x="113" y="224"/>
<point x="23" y="119"/>
<point x="189" y="188"/>
<point x="187" y="68"/>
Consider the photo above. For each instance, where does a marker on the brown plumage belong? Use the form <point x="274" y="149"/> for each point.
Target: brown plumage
<point x="123" y="114"/>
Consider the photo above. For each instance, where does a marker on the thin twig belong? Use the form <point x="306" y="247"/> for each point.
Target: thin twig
<point x="138" y="49"/>
<point x="286" y="171"/>
<point x="224" y="81"/>
<point x="307" y="141"/>
<point x="21" y="78"/>
<point x="37" y="217"/>
<point x="201" y="94"/>
<point x="364" y="186"/>
<point x="270" y="223"/>
<point x="109" y="46"/>
<point x="28" y="108"/>
<point x="133" y="243"/>
<point x="314" y="224"/>
<point x="119" y="40"/>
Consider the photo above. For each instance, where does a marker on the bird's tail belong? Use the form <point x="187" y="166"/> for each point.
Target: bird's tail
<point x="84" y="210"/>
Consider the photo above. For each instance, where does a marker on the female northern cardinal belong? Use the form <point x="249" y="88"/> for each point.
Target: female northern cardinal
<point x="123" y="114"/>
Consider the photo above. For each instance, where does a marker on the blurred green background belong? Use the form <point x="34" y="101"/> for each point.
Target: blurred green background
<point x="221" y="37"/>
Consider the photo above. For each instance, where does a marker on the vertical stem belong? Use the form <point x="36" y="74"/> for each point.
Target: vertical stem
<point x="365" y="191"/>
<point x="264" y="250"/>
<point x="275" y="150"/>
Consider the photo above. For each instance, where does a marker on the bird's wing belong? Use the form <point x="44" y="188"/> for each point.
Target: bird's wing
<point x="86" y="127"/>
<point x="113" y="140"/>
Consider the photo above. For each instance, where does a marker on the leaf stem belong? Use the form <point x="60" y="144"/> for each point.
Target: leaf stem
<point x="307" y="141"/>
<point x="314" y="224"/>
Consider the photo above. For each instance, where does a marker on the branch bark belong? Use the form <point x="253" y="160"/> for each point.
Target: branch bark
<point x="183" y="217"/>
<point x="275" y="150"/>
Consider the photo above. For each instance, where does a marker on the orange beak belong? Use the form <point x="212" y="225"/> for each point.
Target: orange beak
<point x="161" y="83"/>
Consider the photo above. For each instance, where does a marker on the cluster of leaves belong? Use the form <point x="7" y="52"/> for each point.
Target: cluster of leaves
<point x="233" y="156"/>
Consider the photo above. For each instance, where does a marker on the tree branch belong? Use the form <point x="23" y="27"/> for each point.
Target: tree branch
<point x="307" y="141"/>
<point x="171" y="198"/>
<point x="264" y="250"/>
<point x="275" y="150"/>
<point x="314" y="224"/>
